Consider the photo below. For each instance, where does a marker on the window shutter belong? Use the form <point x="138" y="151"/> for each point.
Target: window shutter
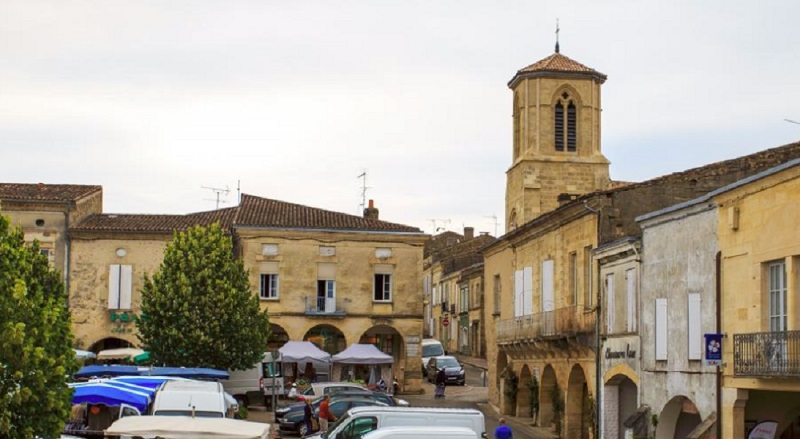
<point x="661" y="329"/>
<point x="631" y="287"/>
<point x="548" y="291"/>
<point x="527" y="291"/>
<point x="610" y="304"/>
<point x="694" y="318"/>
<point x="126" y="279"/>
<point x="518" y="292"/>
<point x="113" y="286"/>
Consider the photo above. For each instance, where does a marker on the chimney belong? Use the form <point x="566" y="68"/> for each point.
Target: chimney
<point x="371" y="212"/>
<point x="469" y="233"/>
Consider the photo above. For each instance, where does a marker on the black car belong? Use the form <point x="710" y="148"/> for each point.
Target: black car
<point x="293" y="422"/>
<point x="296" y="408"/>
<point x="454" y="371"/>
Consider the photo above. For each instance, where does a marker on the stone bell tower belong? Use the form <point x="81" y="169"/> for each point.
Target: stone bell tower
<point x="556" y="147"/>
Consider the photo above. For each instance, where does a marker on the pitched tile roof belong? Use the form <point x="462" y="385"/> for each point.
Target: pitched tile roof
<point x="265" y="212"/>
<point x="46" y="192"/>
<point x="155" y="223"/>
<point x="556" y="63"/>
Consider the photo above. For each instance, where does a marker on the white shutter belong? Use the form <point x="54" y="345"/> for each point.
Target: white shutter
<point x="610" y="303"/>
<point x="518" y="292"/>
<point x="527" y="291"/>
<point x="113" y="286"/>
<point x="661" y="329"/>
<point x="631" y="287"/>
<point x="693" y="318"/>
<point x="125" y="284"/>
<point x="548" y="292"/>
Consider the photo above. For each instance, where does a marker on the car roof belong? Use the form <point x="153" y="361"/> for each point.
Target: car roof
<point x="465" y="411"/>
<point x="446" y="357"/>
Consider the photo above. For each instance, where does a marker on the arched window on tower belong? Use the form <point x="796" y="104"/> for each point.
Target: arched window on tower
<point x="565" y="124"/>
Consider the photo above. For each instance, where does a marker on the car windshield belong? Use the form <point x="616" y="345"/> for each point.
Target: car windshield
<point x="333" y="428"/>
<point x="447" y="362"/>
<point x="432" y="350"/>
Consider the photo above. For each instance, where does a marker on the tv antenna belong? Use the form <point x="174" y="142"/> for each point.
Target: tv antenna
<point x="496" y="223"/>
<point x="434" y="222"/>
<point x="217" y="191"/>
<point x="792" y="121"/>
<point x="364" y="187"/>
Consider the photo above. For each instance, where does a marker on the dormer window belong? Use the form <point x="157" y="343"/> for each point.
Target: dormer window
<point x="566" y="123"/>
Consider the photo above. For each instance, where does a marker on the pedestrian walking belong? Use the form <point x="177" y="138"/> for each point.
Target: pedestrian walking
<point x="441" y="382"/>
<point x="502" y="431"/>
<point x="325" y="414"/>
<point x="308" y="416"/>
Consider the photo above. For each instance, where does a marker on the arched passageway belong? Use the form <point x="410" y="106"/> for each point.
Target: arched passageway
<point x="619" y="391"/>
<point x="524" y="393"/>
<point x="576" y="413"/>
<point x="677" y="419"/>
<point x="548" y="394"/>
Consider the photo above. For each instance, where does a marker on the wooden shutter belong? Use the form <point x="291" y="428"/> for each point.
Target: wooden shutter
<point x="125" y="286"/>
<point x="113" y="286"/>
<point x="693" y="320"/>
<point x="610" y="304"/>
<point x="548" y="292"/>
<point x="661" y="329"/>
<point x="518" y="292"/>
<point x="527" y="291"/>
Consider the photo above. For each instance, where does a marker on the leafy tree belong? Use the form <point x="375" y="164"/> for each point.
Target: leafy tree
<point x="198" y="310"/>
<point x="35" y="340"/>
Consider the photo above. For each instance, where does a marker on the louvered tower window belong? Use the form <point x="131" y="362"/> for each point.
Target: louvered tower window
<point x="566" y="125"/>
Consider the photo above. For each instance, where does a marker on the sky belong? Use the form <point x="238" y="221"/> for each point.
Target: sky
<point x="168" y="103"/>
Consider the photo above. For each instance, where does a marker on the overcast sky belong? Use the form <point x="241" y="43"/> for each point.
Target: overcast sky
<point x="155" y="100"/>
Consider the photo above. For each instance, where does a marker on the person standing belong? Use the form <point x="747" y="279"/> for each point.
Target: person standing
<point x="502" y="431"/>
<point x="308" y="416"/>
<point x="325" y="414"/>
<point x="441" y="382"/>
<point x="293" y="392"/>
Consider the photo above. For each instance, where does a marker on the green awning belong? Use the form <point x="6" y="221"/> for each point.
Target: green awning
<point x="142" y="358"/>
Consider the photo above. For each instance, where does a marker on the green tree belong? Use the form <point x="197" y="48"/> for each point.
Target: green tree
<point x="35" y="341"/>
<point x="198" y="310"/>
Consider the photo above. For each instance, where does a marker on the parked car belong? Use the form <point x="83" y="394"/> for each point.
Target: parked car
<point x="383" y="397"/>
<point x="454" y="371"/>
<point x="293" y="421"/>
<point x="319" y="389"/>
<point x="430" y="348"/>
<point x="297" y="407"/>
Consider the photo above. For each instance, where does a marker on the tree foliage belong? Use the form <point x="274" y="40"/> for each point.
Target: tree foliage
<point x="36" y="355"/>
<point x="198" y="309"/>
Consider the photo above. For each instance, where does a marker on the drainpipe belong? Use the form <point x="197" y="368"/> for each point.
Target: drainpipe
<point x="597" y="377"/>
<point x="718" y="267"/>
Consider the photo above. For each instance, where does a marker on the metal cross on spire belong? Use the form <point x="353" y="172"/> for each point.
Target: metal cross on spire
<point x="557" y="31"/>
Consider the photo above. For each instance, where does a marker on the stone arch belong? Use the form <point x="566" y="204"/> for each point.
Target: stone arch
<point x="621" y="369"/>
<point x="678" y="418"/>
<point x="524" y="393"/>
<point x="111" y="343"/>
<point x="327" y="337"/>
<point x="277" y="337"/>
<point x="575" y="409"/>
<point x="547" y="386"/>
<point x="501" y="365"/>
<point x="571" y="91"/>
<point x="619" y="391"/>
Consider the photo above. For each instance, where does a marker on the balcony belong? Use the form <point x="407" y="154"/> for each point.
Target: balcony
<point x="322" y="307"/>
<point x="767" y="354"/>
<point x="560" y="323"/>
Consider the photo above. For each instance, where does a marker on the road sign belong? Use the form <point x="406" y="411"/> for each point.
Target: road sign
<point x="445" y="322"/>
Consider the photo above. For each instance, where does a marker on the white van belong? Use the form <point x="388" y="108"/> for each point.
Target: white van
<point x="430" y="348"/>
<point x="417" y="432"/>
<point x="201" y="399"/>
<point x="359" y="421"/>
<point x="253" y="384"/>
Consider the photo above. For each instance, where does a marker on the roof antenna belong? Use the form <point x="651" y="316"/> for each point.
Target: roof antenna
<point x="364" y="187"/>
<point x="557" y="30"/>
<point x="219" y="192"/>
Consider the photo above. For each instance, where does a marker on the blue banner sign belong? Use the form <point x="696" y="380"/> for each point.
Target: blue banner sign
<point x="713" y="350"/>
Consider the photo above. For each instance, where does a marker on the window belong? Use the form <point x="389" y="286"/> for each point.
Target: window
<point x="565" y="123"/>
<point x="50" y="254"/>
<point x="631" y="288"/>
<point x="496" y="293"/>
<point x="464" y="299"/>
<point x="777" y="295"/>
<point x="588" y="300"/>
<point x="326" y="295"/>
<point x="610" y="303"/>
<point x="383" y="288"/>
<point x="573" y="279"/>
<point x="269" y="286"/>
<point x="661" y="329"/>
<point x="119" y="286"/>
<point x="693" y="320"/>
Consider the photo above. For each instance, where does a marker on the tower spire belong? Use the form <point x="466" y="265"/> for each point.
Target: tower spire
<point x="557" y="30"/>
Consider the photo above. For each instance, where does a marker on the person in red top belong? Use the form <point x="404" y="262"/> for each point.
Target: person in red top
<point x="325" y="414"/>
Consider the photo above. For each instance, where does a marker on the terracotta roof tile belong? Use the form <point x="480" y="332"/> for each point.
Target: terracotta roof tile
<point x="154" y="223"/>
<point x="46" y="192"/>
<point x="557" y="63"/>
<point x="265" y="212"/>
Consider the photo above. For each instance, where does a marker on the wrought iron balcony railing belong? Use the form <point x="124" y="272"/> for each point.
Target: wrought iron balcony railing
<point x="319" y="306"/>
<point x="561" y="322"/>
<point x="767" y="354"/>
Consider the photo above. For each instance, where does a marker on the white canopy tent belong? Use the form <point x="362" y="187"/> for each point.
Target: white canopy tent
<point x="303" y="353"/>
<point x="365" y="355"/>
<point x="119" y="354"/>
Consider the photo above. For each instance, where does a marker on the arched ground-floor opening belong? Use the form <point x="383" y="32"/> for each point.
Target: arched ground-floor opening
<point x="387" y="340"/>
<point x="524" y="407"/>
<point x="577" y="413"/>
<point x="549" y="397"/>
<point x="277" y="337"/>
<point x="110" y="343"/>
<point x="677" y="419"/>
<point x="782" y="407"/>
<point x="620" y="401"/>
